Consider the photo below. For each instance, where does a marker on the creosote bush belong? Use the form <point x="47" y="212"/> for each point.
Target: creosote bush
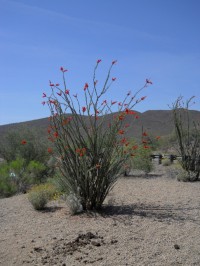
<point x="90" y="151"/>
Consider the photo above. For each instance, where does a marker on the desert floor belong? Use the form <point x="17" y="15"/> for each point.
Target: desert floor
<point x="150" y="221"/>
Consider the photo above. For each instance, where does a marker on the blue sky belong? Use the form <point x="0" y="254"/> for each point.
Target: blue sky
<point x="156" y="39"/>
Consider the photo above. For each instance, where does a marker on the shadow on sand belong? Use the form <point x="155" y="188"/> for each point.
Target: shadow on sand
<point x="159" y="213"/>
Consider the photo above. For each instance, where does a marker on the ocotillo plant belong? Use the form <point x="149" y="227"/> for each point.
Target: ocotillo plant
<point x="90" y="150"/>
<point x="188" y="136"/>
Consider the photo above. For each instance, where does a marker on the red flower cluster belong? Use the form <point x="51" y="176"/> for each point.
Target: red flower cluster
<point x="143" y="98"/>
<point x="23" y="142"/>
<point x="121" y="132"/>
<point x="66" y="121"/>
<point x="86" y="86"/>
<point x="81" y="152"/>
<point x="63" y="70"/>
<point x="129" y="112"/>
<point x="121" y="117"/>
<point x="55" y="134"/>
<point x="49" y="150"/>
<point x="84" y="109"/>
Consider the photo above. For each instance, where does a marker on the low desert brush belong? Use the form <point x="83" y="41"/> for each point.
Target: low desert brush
<point x="40" y="195"/>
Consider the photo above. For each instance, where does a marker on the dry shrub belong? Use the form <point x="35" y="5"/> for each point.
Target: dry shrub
<point x="40" y="195"/>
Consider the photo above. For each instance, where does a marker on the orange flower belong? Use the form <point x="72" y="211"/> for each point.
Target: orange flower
<point x="81" y="152"/>
<point x="143" y="98"/>
<point x="135" y="147"/>
<point x="121" y="132"/>
<point x="123" y="141"/>
<point x="158" y="137"/>
<point x="121" y="117"/>
<point x="86" y="86"/>
<point x="23" y="142"/>
<point x="64" y="122"/>
<point x="49" y="150"/>
<point x="144" y="134"/>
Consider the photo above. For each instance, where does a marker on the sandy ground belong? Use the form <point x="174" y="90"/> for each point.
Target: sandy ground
<point x="145" y="221"/>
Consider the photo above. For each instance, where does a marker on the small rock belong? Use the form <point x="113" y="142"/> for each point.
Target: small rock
<point x="113" y="241"/>
<point x="38" y="249"/>
<point x="176" y="246"/>
<point x="96" y="243"/>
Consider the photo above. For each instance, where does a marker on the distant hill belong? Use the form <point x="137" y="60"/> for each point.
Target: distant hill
<point x="155" y="122"/>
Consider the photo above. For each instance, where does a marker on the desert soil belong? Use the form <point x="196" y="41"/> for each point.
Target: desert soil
<point x="150" y="221"/>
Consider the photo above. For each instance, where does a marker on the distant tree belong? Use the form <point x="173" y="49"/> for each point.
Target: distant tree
<point x="23" y="143"/>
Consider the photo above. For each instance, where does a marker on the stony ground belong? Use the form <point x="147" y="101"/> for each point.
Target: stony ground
<point x="150" y="221"/>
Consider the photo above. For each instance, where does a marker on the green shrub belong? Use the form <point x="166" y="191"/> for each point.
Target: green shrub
<point x="7" y="187"/>
<point x="16" y="176"/>
<point x="40" y="195"/>
<point x="141" y="160"/>
<point x="37" y="172"/>
<point x="186" y="176"/>
<point x="7" y="183"/>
